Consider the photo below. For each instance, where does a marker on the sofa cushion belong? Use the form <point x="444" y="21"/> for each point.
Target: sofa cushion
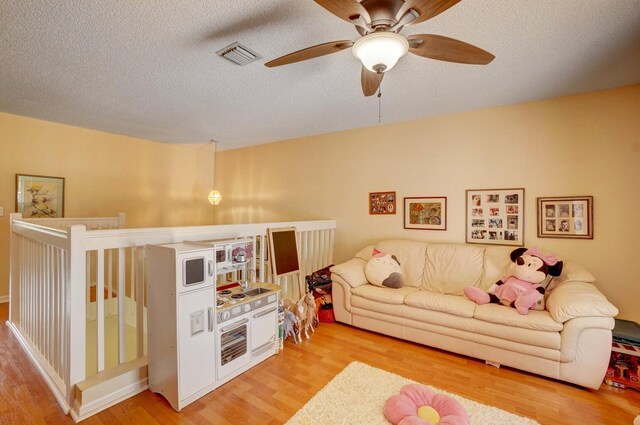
<point x="536" y="320"/>
<point x="545" y="339"/>
<point x="496" y="262"/>
<point x="365" y="253"/>
<point x="352" y="272"/>
<point x="393" y="311"/>
<point x="383" y="295"/>
<point x="453" y="304"/>
<point x="451" y="268"/>
<point x="411" y="255"/>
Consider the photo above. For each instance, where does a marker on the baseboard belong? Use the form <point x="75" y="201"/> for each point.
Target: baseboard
<point x="59" y="396"/>
<point x="4" y="299"/>
<point x="79" y="414"/>
<point x="109" y="387"/>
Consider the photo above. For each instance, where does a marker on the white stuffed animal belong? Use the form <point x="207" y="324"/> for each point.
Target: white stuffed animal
<point x="384" y="270"/>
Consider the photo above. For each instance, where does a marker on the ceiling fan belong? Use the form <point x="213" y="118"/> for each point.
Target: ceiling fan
<point x="381" y="46"/>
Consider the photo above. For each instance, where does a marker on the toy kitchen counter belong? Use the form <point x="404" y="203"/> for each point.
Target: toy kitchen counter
<point x="246" y="328"/>
<point x="196" y="343"/>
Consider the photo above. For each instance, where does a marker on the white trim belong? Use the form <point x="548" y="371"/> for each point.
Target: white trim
<point x="60" y="397"/>
<point x="70" y="253"/>
<point x="79" y="413"/>
<point x="4" y="299"/>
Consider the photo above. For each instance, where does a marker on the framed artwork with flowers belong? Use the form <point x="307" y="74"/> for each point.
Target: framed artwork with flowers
<point x="39" y="196"/>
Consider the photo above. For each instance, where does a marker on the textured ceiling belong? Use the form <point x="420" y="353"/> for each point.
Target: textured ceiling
<point x="148" y="68"/>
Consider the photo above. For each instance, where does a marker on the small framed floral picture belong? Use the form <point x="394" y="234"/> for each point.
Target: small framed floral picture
<point x="495" y="216"/>
<point x="425" y="213"/>
<point x="569" y="217"/>
<point x="39" y="196"/>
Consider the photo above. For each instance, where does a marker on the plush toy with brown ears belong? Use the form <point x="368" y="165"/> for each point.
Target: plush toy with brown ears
<point x="522" y="288"/>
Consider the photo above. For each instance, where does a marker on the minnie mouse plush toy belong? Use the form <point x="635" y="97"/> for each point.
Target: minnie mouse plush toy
<point x="522" y="288"/>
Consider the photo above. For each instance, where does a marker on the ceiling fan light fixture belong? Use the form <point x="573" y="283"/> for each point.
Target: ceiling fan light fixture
<point x="380" y="51"/>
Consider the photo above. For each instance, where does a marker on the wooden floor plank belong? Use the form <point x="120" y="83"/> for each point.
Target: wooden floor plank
<point x="273" y="391"/>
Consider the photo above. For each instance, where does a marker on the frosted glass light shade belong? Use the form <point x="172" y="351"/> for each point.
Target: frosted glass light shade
<point x="380" y="51"/>
<point x="215" y="197"/>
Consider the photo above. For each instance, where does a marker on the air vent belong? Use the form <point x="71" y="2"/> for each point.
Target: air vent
<point x="238" y="54"/>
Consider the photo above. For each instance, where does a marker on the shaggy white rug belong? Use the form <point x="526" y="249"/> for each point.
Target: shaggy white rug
<point x="356" y="396"/>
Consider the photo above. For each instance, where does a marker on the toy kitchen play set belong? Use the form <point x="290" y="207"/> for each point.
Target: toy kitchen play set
<point x="202" y="329"/>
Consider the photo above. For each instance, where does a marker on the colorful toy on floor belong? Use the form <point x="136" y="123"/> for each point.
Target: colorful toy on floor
<point x="291" y="326"/>
<point x="623" y="370"/>
<point x="312" y="316"/>
<point x="418" y="405"/>
<point x="306" y="320"/>
<point x="523" y="288"/>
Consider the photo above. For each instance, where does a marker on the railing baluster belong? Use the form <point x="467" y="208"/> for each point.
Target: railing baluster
<point x="121" y="312"/>
<point x="110" y="282"/>
<point x="88" y="271"/>
<point x="64" y="276"/>
<point x="304" y="253"/>
<point x="100" y="309"/>
<point x="50" y="307"/>
<point x="140" y="303"/>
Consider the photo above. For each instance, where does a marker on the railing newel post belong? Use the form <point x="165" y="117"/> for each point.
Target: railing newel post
<point x="76" y="309"/>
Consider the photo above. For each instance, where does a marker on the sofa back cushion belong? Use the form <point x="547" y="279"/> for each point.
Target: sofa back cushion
<point x="496" y="263"/>
<point x="451" y="268"/>
<point x="411" y="255"/>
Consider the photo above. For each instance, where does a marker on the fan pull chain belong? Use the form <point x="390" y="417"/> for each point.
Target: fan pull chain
<point x="379" y="105"/>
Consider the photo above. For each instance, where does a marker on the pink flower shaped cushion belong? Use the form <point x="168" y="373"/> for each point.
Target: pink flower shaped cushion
<point x="418" y="405"/>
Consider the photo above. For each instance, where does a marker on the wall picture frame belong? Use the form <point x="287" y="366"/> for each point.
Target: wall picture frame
<point x="39" y="196"/>
<point x="566" y="217"/>
<point x="382" y="203"/>
<point x="425" y="213"/>
<point x="495" y="216"/>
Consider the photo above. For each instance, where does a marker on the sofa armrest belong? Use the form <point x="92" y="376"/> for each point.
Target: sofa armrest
<point x="351" y="272"/>
<point x="578" y="299"/>
<point x="596" y="330"/>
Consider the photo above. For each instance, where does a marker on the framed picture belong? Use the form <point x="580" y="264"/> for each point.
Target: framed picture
<point x="495" y="216"/>
<point x="568" y="217"/>
<point x="39" y="196"/>
<point x="425" y="213"/>
<point x="382" y="203"/>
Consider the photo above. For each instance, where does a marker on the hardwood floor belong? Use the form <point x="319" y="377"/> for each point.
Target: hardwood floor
<point x="273" y="391"/>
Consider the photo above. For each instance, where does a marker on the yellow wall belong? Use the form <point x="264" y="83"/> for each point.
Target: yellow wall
<point x="579" y="145"/>
<point x="155" y="184"/>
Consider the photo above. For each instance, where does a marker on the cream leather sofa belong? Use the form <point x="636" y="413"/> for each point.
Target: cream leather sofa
<point x="570" y="340"/>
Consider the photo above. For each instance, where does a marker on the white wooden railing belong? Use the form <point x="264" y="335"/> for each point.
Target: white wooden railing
<point x="64" y="275"/>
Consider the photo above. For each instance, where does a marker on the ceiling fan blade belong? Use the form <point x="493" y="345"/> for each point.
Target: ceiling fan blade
<point x="345" y="9"/>
<point x="427" y="9"/>
<point x="447" y="49"/>
<point x="310" y="53"/>
<point x="370" y="81"/>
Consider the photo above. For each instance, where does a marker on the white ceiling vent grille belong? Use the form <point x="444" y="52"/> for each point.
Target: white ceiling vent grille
<point x="238" y="54"/>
